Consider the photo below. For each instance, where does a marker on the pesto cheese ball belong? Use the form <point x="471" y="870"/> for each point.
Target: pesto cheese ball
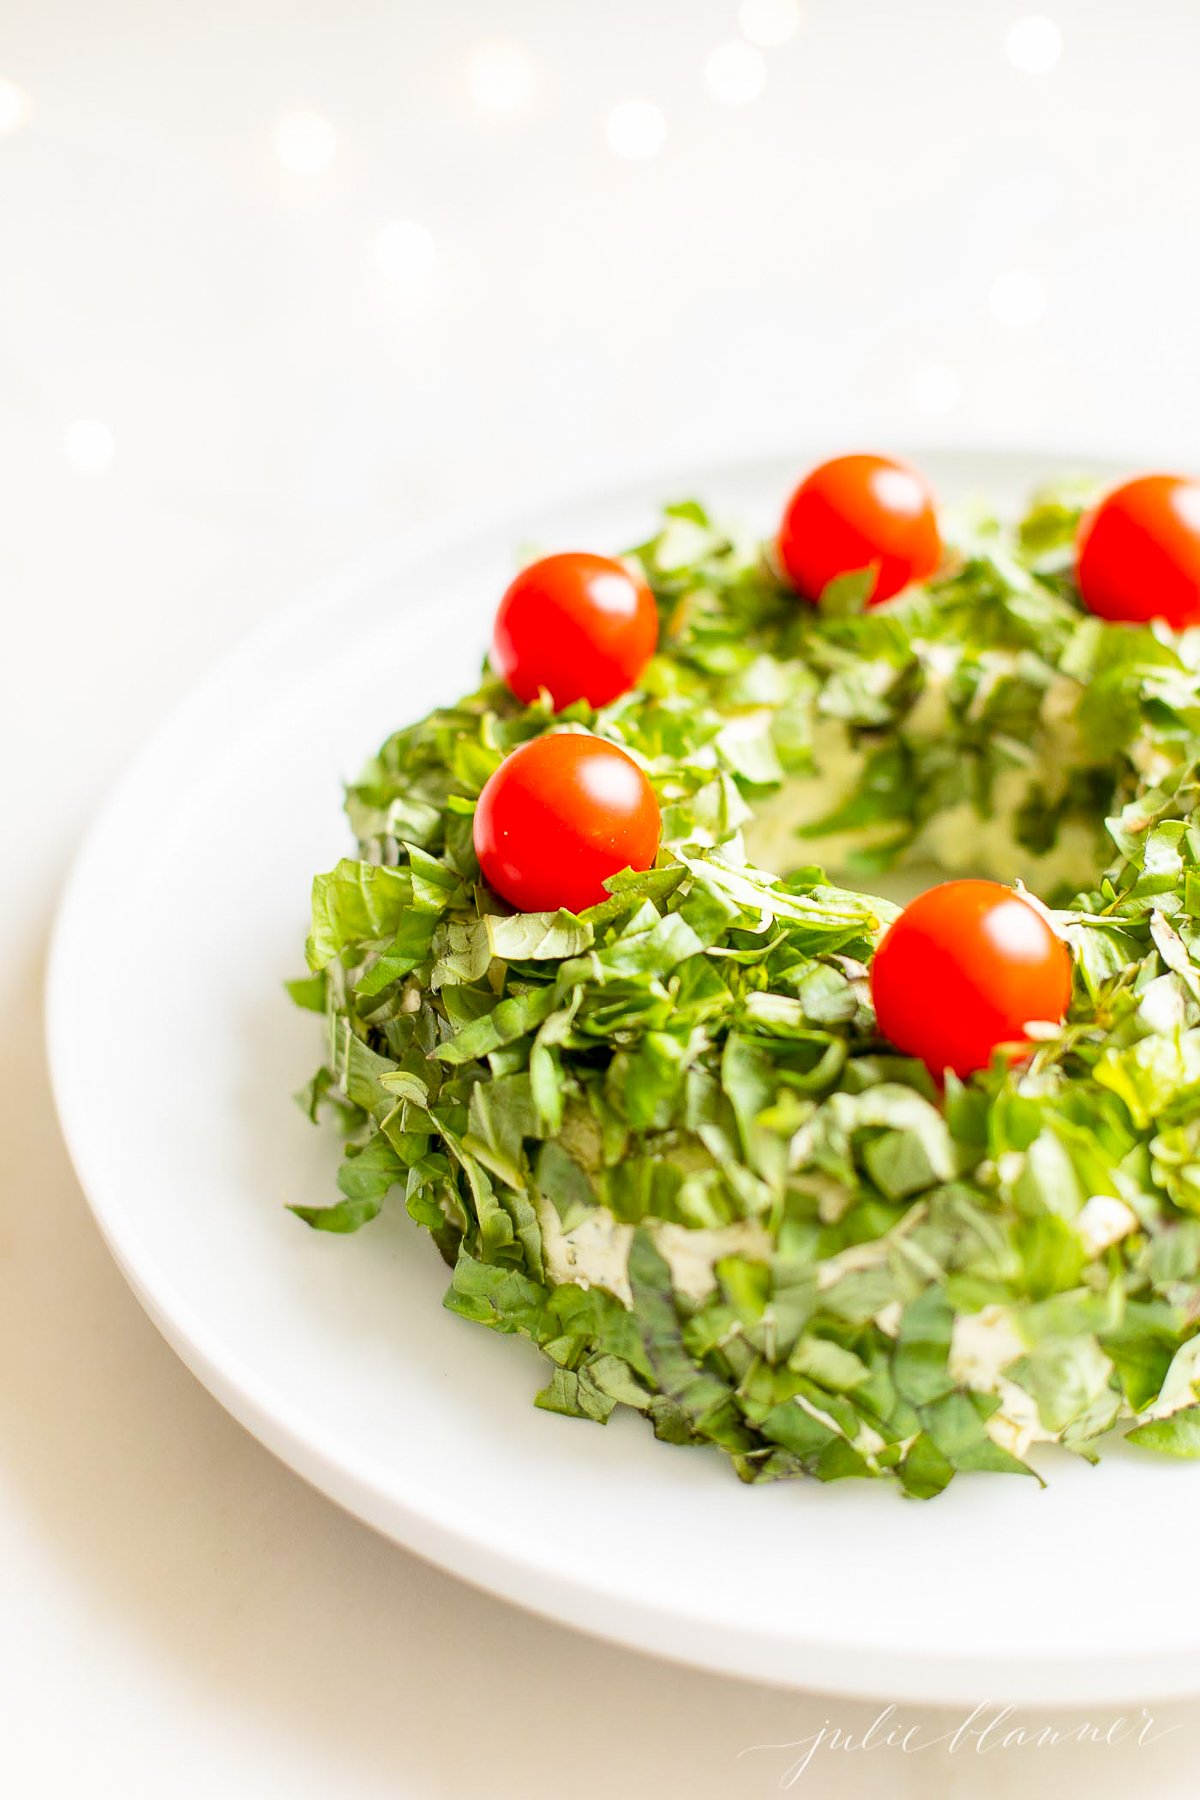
<point x="664" y="1137"/>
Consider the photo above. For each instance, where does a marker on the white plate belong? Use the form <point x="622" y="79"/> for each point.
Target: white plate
<point x="174" y="1054"/>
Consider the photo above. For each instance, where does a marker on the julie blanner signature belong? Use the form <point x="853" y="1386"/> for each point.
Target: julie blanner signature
<point x="987" y="1729"/>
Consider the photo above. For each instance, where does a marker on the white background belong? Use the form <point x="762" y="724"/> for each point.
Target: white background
<point x="216" y="383"/>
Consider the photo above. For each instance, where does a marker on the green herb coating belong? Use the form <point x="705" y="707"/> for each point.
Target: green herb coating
<point x="663" y="1139"/>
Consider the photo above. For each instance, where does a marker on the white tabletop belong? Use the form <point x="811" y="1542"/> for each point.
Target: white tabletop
<point x="217" y="382"/>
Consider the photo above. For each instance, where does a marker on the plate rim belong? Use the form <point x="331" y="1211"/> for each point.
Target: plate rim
<point x="825" y="1663"/>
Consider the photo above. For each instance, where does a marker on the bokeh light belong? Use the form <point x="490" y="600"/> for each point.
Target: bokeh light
<point x="14" y="107"/>
<point x="769" y="23"/>
<point x="935" y="389"/>
<point x="1017" y="298"/>
<point x="404" y="251"/>
<point x="305" y="143"/>
<point x="501" y="77"/>
<point x="636" y="129"/>
<point x="89" y="446"/>
<point x="735" y="73"/>
<point x="1034" y="44"/>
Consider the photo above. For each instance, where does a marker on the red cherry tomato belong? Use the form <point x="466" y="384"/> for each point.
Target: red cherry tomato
<point x="969" y="965"/>
<point x="558" y="817"/>
<point x="1138" y="553"/>
<point x="854" y="512"/>
<point x="580" y="626"/>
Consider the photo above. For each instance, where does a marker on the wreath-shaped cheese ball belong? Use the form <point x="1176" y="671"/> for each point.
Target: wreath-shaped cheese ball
<point x="664" y="1137"/>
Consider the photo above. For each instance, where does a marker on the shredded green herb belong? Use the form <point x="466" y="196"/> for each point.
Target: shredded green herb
<point x="663" y="1138"/>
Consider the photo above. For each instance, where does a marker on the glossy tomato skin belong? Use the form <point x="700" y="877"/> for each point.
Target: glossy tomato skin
<point x="560" y="815"/>
<point x="966" y="967"/>
<point x="581" y="626"/>
<point x="1138" y="554"/>
<point x="854" y="512"/>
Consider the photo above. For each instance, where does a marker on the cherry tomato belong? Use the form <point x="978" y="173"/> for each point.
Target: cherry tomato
<point x="578" y="625"/>
<point x="559" y="816"/>
<point x="855" y="512"/>
<point x="969" y="965"/>
<point x="1138" y="554"/>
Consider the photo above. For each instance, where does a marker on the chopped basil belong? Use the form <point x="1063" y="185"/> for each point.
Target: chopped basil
<point x="663" y="1139"/>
